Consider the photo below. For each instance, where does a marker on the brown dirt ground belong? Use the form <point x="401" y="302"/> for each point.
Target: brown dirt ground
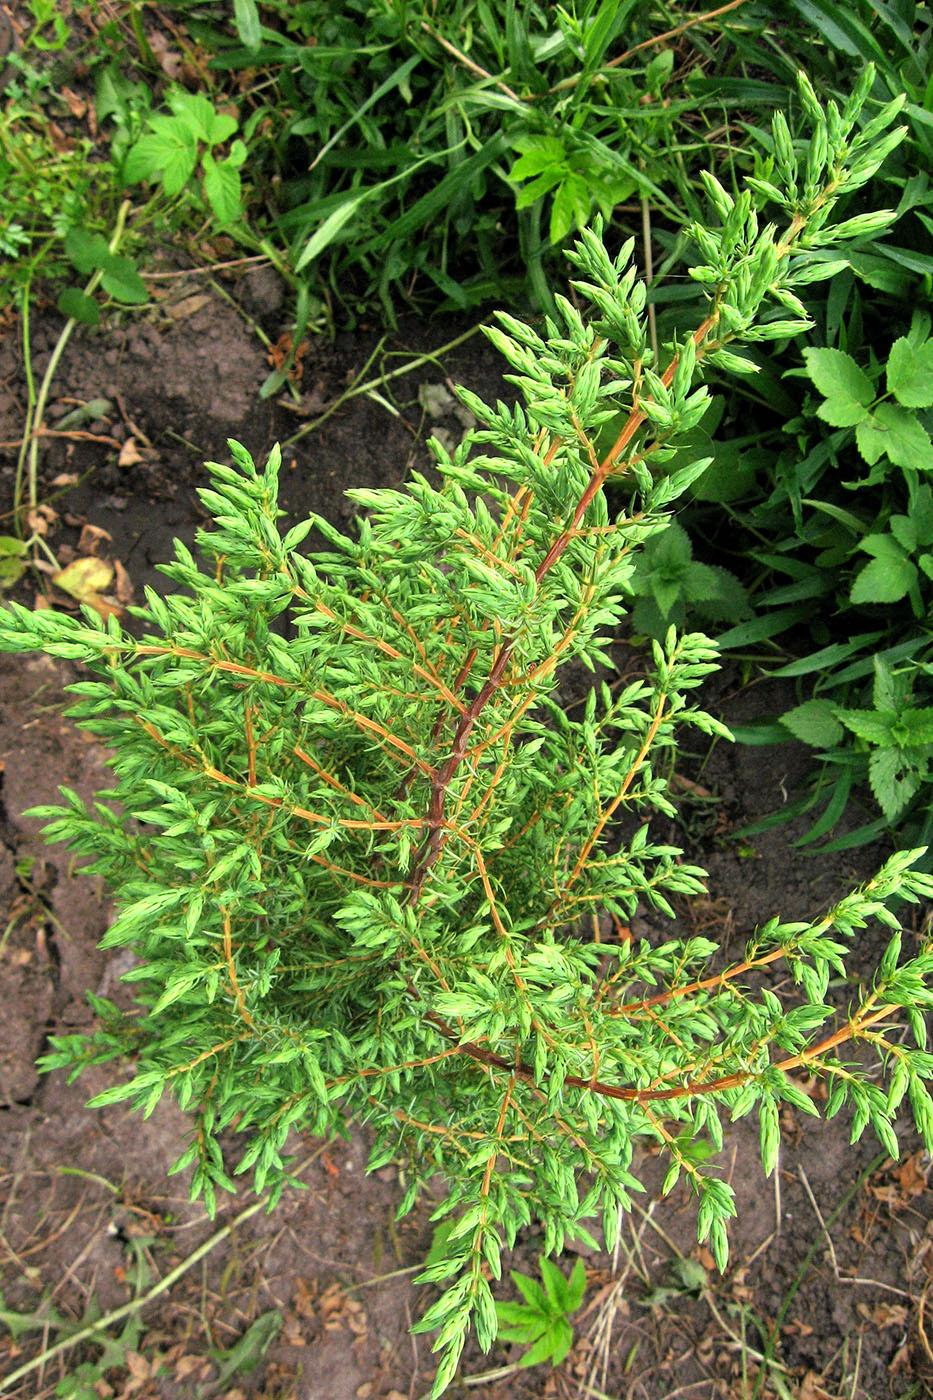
<point x="89" y="1217"/>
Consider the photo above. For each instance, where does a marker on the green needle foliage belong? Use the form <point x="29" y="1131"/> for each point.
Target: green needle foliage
<point x="360" y="852"/>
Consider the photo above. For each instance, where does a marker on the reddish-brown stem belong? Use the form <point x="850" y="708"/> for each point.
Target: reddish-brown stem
<point x="443" y="776"/>
<point x="690" y="1089"/>
<point x="231" y="969"/>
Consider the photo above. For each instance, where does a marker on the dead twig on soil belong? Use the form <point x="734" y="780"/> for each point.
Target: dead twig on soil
<point x="94" y="1330"/>
<point x="839" y="1276"/>
<point x="357" y="388"/>
<point x="791" y="1293"/>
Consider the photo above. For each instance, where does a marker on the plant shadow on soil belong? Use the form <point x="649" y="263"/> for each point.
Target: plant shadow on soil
<point x="87" y="1211"/>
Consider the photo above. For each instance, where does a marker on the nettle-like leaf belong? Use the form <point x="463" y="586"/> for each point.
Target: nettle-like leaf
<point x="197" y="113"/>
<point x="877" y="726"/>
<point x="894" y="779"/>
<point x="891" y="690"/>
<point x="168" y="151"/>
<point x="815" y="723"/>
<point x="901" y="736"/>
<point x="578" y="183"/>
<point x="172" y="147"/>
<point x="222" y="188"/>
<point x="668" y="582"/>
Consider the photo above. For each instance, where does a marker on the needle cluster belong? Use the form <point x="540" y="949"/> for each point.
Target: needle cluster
<point x="369" y="866"/>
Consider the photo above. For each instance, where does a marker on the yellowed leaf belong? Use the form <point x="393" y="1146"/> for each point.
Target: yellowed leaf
<point x="85" y="578"/>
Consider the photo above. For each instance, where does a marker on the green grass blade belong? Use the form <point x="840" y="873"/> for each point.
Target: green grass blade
<point x="248" y="28"/>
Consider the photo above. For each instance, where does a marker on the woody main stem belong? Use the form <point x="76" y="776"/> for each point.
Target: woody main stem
<point x="443" y="776"/>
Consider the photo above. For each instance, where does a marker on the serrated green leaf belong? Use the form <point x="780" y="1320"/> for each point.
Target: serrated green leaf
<point x="222" y="189"/>
<point x="576" y="1286"/>
<point x="892" y="783"/>
<point x="896" y="433"/>
<point x="884" y="580"/>
<point x="545" y="1347"/>
<point x="877" y="727"/>
<point x="172" y="155"/>
<point x="531" y="1291"/>
<point x="571" y="206"/>
<point x="815" y="723"/>
<point x="910" y="373"/>
<point x="554" y="1283"/>
<point x="914" y="727"/>
<point x="192" y="110"/>
<point x="847" y="388"/>
<point x="85" y="251"/>
<point x="547" y="155"/>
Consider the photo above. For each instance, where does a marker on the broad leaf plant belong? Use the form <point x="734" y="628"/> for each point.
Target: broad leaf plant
<point x="367" y="864"/>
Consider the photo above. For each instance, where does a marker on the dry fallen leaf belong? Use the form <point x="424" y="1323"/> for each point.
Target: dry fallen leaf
<point x="124" y="583"/>
<point x="76" y="105"/>
<point x="129" y="454"/>
<point x="169" y="58"/>
<point x="64" y="479"/>
<point x="305" y="1299"/>
<point x="292" y="1334"/>
<point x="885" y="1314"/>
<point x="60" y="141"/>
<point x="910" y="1175"/>
<point x="185" y="1366"/>
<point x="92" y="537"/>
<point x="137" y="1365"/>
<point x="187" y="306"/>
<point x="810" y="1388"/>
<point x="40" y="519"/>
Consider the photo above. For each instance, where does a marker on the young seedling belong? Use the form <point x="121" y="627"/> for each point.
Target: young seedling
<point x="542" y="1321"/>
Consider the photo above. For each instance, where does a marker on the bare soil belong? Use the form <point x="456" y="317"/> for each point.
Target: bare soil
<point x="834" y="1257"/>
